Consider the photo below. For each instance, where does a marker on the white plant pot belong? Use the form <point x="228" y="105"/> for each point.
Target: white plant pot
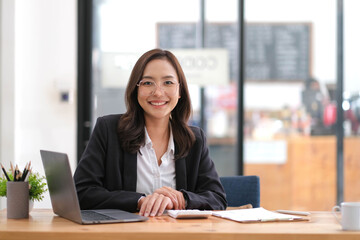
<point x="31" y="205"/>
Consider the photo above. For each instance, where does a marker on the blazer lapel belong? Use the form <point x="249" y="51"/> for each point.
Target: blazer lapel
<point x="180" y="171"/>
<point x="130" y="171"/>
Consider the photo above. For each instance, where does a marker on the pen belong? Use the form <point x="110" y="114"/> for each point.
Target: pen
<point x="293" y="212"/>
<point x="268" y="220"/>
<point x="5" y="173"/>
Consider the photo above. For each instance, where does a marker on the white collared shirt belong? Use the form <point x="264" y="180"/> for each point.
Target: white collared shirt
<point x="151" y="176"/>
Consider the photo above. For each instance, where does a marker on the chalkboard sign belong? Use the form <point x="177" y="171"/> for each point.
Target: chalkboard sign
<point x="273" y="51"/>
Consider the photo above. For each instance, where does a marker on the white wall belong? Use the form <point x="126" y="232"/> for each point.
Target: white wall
<point x="44" y="61"/>
<point x="7" y="87"/>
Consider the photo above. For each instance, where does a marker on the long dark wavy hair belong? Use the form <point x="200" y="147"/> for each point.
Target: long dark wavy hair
<point x="131" y="126"/>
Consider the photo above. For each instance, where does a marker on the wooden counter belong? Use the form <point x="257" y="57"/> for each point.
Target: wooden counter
<point x="307" y="181"/>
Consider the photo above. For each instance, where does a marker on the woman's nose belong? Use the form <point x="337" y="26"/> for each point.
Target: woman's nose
<point x="158" y="91"/>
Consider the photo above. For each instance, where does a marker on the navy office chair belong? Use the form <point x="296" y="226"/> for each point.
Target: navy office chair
<point x="242" y="190"/>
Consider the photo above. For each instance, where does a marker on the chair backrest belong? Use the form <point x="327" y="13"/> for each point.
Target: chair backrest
<point x="242" y="190"/>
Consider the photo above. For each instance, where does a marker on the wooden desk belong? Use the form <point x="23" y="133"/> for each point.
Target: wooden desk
<point x="43" y="224"/>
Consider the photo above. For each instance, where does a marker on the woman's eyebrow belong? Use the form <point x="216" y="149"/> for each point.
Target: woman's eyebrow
<point x="168" y="76"/>
<point x="164" y="77"/>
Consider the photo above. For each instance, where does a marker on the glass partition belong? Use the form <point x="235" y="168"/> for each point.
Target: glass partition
<point x="289" y="89"/>
<point x="351" y="103"/>
<point x="290" y="105"/>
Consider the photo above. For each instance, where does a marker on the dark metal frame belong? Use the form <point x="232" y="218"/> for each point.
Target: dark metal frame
<point x="340" y="111"/>
<point x="241" y="78"/>
<point x="84" y="73"/>
<point x="201" y="44"/>
<point x="240" y="129"/>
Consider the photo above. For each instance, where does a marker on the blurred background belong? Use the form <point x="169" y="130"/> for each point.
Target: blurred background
<point x="289" y="110"/>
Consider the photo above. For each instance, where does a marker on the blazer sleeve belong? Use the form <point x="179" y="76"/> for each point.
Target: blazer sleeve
<point x="98" y="177"/>
<point x="204" y="189"/>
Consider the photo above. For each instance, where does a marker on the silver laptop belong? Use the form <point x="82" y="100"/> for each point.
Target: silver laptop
<point x="64" y="198"/>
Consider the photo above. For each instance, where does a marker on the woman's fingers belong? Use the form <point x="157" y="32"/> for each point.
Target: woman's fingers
<point x="166" y="204"/>
<point x="163" y="198"/>
<point x="180" y="198"/>
<point x="144" y="204"/>
<point x="176" y="197"/>
<point x="155" y="204"/>
<point x="170" y="194"/>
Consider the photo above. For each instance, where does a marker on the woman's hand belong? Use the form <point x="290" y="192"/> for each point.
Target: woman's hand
<point x="177" y="197"/>
<point x="154" y="205"/>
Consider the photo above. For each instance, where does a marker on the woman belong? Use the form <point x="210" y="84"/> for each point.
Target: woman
<point x="149" y="159"/>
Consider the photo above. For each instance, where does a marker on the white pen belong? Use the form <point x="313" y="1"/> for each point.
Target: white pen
<point x="293" y="212"/>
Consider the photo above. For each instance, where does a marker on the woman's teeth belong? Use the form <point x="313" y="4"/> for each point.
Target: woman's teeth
<point x="157" y="103"/>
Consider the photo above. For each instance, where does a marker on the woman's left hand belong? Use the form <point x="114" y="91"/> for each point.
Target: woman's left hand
<point x="177" y="197"/>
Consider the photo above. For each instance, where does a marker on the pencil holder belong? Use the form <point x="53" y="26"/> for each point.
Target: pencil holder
<point x="17" y="194"/>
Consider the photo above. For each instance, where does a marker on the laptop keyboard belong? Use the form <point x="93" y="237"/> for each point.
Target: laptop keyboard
<point x="91" y="215"/>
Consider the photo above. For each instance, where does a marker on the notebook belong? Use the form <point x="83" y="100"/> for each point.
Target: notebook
<point x="256" y="215"/>
<point x="64" y="198"/>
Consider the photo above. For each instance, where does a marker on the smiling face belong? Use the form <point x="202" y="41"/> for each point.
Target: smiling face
<point x="159" y="103"/>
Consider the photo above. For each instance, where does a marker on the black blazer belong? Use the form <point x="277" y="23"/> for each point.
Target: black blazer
<point x="106" y="174"/>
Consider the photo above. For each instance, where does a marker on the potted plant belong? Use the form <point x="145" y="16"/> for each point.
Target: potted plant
<point x="37" y="186"/>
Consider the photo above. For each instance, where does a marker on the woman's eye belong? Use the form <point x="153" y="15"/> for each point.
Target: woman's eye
<point x="147" y="83"/>
<point x="168" y="83"/>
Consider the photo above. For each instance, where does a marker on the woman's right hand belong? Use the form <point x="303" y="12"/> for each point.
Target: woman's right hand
<point x="154" y="205"/>
<point x="176" y="197"/>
